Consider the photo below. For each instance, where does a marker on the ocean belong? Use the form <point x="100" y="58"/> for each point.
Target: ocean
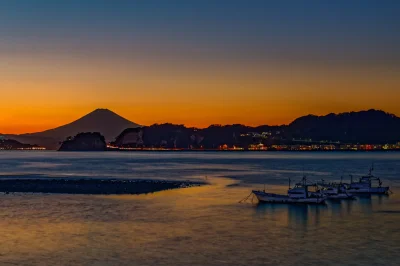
<point x="200" y="225"/>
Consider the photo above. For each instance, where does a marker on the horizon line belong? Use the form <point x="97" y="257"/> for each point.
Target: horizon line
<point x="199" y="127"/>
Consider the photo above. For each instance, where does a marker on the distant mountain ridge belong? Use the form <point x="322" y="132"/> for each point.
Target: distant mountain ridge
<point x="365" y="127"/>
<point x="10" y="144"/>
<point x="372" y="126"/>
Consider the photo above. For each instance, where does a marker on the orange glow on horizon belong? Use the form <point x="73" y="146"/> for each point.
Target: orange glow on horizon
<point x="40" y="93"/>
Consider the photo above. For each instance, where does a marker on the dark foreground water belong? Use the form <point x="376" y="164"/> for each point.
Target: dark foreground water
<point x="201" y="225"/>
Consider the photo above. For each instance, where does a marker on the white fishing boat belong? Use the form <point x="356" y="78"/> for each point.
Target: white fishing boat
<point x="365" y="185"/>
<point x="335" y="191"/>
<point x="299" y="194"/>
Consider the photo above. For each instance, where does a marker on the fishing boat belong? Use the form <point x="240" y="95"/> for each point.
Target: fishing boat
<point x="300" y="193"/>
<point x="335" y="191"/>
<point x="365" y="185"/>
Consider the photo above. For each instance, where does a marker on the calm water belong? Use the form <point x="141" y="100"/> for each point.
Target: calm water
<point x="198" y="226"/>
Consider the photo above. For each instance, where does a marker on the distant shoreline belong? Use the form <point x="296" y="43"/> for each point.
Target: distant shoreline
<point x="216" y="150"/>
<point x="186" y="150"/>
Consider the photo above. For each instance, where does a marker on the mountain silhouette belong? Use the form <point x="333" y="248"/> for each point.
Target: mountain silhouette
<point x="364" y="127"/>
<point x="104" y="121"/>
<point x="372" y="126"/>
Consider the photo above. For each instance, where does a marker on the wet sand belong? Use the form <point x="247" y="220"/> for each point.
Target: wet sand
<point x="90" y="186"/>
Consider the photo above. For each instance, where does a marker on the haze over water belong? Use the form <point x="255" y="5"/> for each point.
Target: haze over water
<point x="202" y="225"/>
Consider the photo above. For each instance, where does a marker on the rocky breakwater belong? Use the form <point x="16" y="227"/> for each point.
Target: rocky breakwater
<point x="90" y="141"/>
<point x="90" y="186"/>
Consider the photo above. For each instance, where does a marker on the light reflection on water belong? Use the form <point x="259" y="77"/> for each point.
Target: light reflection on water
<point x="201" y="225"/>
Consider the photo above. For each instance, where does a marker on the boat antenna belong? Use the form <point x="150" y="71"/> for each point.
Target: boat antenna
<point x="371" y="169"/>
<point x="264" y="187"/>
<point x="304" y="177"/>
<point x="351" y="178"/>
<point x="341" y="178"/>
<point x="289" y="182"/>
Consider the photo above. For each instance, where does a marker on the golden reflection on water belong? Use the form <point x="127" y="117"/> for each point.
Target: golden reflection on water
<point x="199" y="226"/>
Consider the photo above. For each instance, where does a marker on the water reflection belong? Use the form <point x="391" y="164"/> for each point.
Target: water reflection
<point x="382" y="199"/>
<point x="341" y="208"/>
<point x="197" y="226"/>
<point x="364" y="204"/>
<point x="305" y="216"/>
<point x="292" y="215"/>
<point x="368" y="202"/>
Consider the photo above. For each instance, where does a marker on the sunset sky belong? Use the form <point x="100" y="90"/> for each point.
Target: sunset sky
<point x="195" y="62"/>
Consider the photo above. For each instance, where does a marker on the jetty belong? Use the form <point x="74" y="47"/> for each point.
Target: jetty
<point x="90" y="186"/>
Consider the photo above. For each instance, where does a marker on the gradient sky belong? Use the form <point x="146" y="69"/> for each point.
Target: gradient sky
<point x="195" y="62"/>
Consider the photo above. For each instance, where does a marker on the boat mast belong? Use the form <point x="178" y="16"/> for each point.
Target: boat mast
<point x="305" y="184"/>
<point x="371" y="169"/>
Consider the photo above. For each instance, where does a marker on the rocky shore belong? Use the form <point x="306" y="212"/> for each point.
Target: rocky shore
<point x="90" y="186"/>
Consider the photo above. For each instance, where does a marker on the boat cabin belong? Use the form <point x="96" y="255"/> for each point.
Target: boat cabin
<point x="365" y="182"/>
<point x="299" y="191"/>
<point x="302" y="190"/>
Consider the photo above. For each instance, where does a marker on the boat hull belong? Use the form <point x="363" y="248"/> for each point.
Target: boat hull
<point x="341" y="196"/>
<point x="276" y="198"/>
<point x="370" y="190"/>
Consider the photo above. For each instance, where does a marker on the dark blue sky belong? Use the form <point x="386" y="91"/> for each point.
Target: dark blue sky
<point x="311" y="29"/>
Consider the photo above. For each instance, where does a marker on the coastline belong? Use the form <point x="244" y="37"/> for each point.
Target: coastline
<point x="217" y="150"/>
<point x="208" y="150"/>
